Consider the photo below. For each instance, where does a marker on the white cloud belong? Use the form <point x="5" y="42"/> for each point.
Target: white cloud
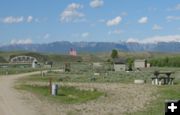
<point x="156" y="27"/>
<point x="143" y="20"/>
<point x="156" y="39"/>
<point x="71" y="13"/>
<point x="175" y="8"/>
<point x="46" y="36"/>
<point x="29" y="19"/>
<point x="18" y="19"/>
<point x="96" y="3"/>
<point x="12" y="20"/>
<point x="21" y="41"/>
<point x="85" y="34"/>
<point x="114" y="21"/>
<point x="117" y="31"/>
<point x="172" y="18"/>
<point x="132" y="40"/>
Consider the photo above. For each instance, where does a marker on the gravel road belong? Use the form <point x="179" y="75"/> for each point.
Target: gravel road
<point x="11" y="102"/>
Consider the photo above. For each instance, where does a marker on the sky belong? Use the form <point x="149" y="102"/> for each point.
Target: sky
<point x="45" y="21"/>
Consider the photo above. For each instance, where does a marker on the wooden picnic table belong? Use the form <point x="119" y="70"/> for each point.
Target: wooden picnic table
<point x="162" y="77"/>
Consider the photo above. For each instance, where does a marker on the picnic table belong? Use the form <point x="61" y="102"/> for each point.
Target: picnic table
<point x="162" y="78"/>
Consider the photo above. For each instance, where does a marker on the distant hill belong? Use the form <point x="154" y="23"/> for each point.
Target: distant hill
<point x="85" y="57"/>
<point x="41" y="57"/>
<point x="64" y="46"/>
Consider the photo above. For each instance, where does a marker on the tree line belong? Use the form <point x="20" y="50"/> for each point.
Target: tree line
<point x="157" y="62"/>
<point x="166" y="62"/>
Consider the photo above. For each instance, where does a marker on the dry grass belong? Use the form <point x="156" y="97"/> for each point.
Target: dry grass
<point x="119" y="99"/>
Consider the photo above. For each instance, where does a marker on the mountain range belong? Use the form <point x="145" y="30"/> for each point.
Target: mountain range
<point x="64" y="47"/>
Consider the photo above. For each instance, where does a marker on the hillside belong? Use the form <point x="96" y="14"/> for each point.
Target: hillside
<point x="93" y="47"/>
<point x="43" y="57"/>
<point x="86" y="57"/>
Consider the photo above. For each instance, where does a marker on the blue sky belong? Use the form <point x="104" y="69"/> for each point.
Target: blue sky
<point x="44" y="21"/>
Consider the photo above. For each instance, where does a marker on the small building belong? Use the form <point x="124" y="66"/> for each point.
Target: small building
<point x="48" y="64"/>
<point x="34" y="63"/>
<point x="120" y="64"/>
<point x="140" y="63"/>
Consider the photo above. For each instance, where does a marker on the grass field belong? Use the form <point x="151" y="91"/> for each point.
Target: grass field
<point x="112" y="84"/>
<point x="83" y="92"/>
<point x="84" y="73"/>
<point x="66" y="95"/>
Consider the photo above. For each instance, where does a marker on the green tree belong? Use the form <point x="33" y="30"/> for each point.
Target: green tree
<point x="130" y="64"/>
<point x="114" y="53"/>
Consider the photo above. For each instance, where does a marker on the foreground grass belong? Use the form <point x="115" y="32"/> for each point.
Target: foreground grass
<point x="157" y="107"/>
<point x="66" y="95"/>
<point x="165" y="92"/>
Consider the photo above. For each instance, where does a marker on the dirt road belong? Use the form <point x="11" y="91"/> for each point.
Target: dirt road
<point x="11" y="102"/>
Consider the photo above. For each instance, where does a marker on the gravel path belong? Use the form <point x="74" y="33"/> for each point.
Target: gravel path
<point x="11" y="102"/>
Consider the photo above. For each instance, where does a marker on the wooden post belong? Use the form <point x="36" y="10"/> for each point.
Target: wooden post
<point x="41" y="71"/>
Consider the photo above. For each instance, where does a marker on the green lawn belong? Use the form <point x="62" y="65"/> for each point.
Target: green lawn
<point x="66" y="95"/>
